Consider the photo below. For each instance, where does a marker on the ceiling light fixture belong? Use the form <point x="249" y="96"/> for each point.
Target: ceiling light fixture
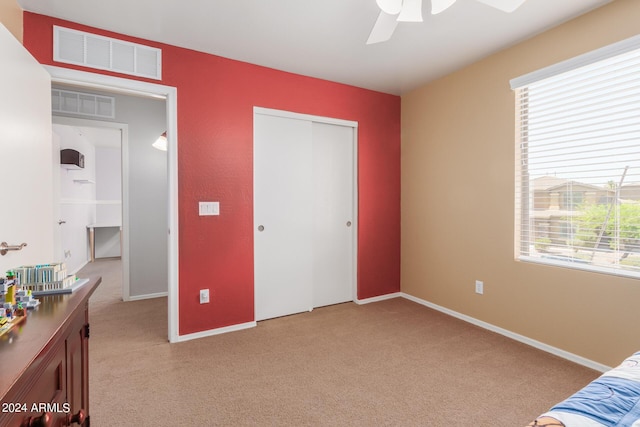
<point x="411" y="11"/>
<point x="161" y="142"/>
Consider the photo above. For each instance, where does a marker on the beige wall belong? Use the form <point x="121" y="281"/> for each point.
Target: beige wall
<point x="458" y="203"/>
<point x="11" y="17"/>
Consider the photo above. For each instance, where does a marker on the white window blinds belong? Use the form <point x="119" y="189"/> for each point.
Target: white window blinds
<point x="578" y="162"/>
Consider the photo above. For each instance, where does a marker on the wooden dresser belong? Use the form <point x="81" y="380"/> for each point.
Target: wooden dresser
<point x="44" y="363"/>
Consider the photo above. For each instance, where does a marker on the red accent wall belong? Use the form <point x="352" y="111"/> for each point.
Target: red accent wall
<point x="216" y="97"/>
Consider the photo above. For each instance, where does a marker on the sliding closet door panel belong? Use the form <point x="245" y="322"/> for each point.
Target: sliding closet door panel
<point x="283" y="234"/>
<point x="333" y="223"/>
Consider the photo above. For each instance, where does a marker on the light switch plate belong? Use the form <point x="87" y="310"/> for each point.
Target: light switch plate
<point x="204" y="296"/>
<point x="209" y="208"/>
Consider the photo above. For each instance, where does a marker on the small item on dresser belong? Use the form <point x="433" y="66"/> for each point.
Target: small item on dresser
<point x="46" y="279"/>
<point x="20" y="310"/>
<point x="14" y="303"/>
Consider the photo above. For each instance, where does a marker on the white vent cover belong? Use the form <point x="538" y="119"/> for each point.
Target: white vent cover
<point x="104" y="53"/>
<point x="86" y="104"/>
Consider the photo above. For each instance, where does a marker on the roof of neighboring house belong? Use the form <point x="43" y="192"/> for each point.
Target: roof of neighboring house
<point x="550" y="183"/>
<point x="546" y="182"/>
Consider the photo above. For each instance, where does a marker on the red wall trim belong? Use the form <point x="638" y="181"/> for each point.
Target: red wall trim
<point x="216" y="97"/>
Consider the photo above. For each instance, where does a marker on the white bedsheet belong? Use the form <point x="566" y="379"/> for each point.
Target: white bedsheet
<point x="572" y="420"/>
<point x="628" y="369"/>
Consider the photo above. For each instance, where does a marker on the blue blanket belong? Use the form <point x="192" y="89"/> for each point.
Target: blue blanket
<point x="611" y="401"/>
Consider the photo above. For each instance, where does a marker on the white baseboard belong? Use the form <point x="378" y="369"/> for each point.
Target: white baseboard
<point x="378" y="298"/>
<point x="517" y="337"/>
<point x="146" y="296"/>
<point x="218" y="331"/>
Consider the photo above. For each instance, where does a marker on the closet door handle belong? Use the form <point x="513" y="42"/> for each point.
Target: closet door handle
<point x="261" y="228"/>
<point x="348" y="223"/>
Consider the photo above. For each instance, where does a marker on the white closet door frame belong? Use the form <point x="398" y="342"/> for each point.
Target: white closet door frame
<point x="339" y="122"/>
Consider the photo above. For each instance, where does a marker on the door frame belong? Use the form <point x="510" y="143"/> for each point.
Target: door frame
<point x="170" y="94"/>
<point x="124" y="161"/>
<point x="334" y="121"/>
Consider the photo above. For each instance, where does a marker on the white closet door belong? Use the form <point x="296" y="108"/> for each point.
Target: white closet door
<point x="333" y="198"/>
<point x="283" y="257"/>
<point x="303" y="214"/>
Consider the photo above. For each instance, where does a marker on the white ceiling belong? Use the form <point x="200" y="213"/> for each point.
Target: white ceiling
<point x="324" y="38"/>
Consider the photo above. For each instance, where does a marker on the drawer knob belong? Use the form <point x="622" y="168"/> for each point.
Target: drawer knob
<point x="45" y="420"/>
<point x="76" y="418"/>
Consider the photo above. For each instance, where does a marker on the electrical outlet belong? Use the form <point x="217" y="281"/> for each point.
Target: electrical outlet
<point x="479" y="287"/>
<point x="204" y="296"/>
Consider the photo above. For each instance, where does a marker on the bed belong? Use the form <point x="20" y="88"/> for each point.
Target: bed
<point x="611" y="400"/>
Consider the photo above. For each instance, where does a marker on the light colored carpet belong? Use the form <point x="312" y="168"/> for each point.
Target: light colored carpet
<point x="392" y="363"/>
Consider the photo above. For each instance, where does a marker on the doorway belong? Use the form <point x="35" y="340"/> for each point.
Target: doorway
<point x="305" y="212"/>
<point x="90" y="199"/>
<point x="111" y="84"/>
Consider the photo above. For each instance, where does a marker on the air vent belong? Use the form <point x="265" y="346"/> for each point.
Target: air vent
<point x="104" y="53"/>
<point x="85" y="104"/>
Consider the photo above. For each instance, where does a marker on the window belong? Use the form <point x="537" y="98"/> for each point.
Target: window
<point x="578" y="162"/>
<point x="572" y="200"/>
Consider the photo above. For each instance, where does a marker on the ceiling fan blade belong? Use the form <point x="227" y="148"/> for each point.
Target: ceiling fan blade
<point x="411" y="11"/>
<point x="383" y="28"/>
<point x="504" y="5"/>
<point x="392" y="7"/>
<point x="438" y="6"/>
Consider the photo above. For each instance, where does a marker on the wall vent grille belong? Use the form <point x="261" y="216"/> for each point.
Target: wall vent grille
<point x="104" y="53"/>
<point x="84" y="104"/>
